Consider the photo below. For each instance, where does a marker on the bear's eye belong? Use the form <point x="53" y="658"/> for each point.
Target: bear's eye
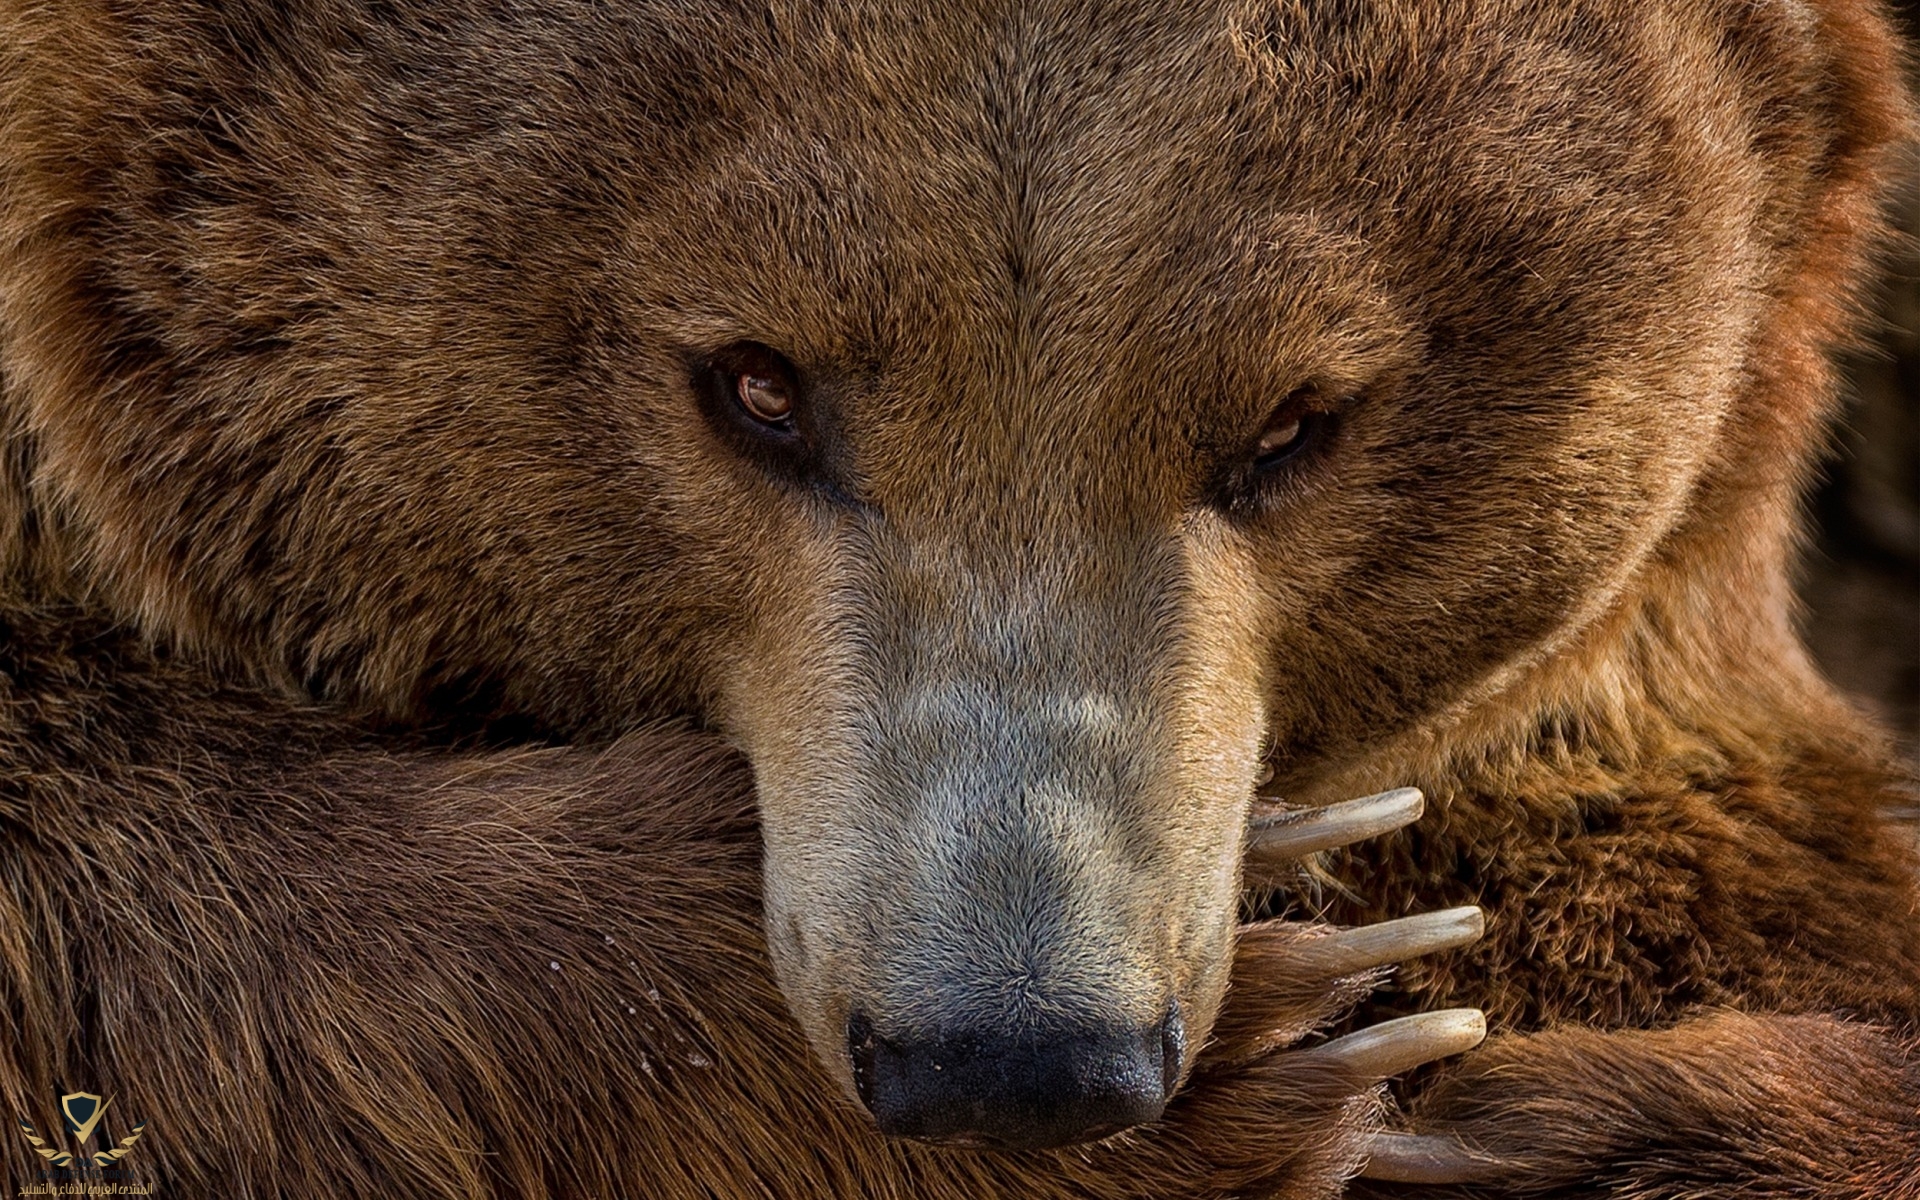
<point x="1291" y="429"/>
<point x="1281" y="437"/>
<point x="766" y="397"/>
<point x="753" y="397"/>
<point x="1293" y="436"/>
<point x="757" y="381"/>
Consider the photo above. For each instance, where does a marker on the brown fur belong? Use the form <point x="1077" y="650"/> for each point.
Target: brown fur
<point x="350" y="456"/>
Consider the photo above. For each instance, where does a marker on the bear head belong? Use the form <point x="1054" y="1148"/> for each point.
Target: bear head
<point x="1015" y="426"/>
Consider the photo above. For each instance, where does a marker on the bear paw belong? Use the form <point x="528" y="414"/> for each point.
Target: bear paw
<point x="1265" y="1116"/>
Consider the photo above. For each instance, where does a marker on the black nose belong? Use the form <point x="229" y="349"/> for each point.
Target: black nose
<point x="1022" y="1091"/>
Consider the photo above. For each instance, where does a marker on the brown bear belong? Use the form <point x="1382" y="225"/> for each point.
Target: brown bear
<point x="676" y="599"/>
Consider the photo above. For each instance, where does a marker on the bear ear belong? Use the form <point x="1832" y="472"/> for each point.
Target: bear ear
<point x="1834" y="132"/>
<point x="1840" y="131"/>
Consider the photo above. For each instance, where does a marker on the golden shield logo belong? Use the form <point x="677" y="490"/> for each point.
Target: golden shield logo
<point x="83" y="1111"/>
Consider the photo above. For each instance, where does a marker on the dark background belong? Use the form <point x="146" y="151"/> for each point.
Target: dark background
<point x="1861" y="578"/>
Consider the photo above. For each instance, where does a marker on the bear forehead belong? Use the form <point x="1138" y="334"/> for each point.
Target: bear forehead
<point x="1203" y="164"/>
<point x="1222" y="174"/>
<point x="989" y="213"/>
<point x="1229" y="198"/>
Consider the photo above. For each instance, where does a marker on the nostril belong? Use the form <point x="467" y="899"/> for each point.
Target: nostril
<point x="1016" y="1092"/>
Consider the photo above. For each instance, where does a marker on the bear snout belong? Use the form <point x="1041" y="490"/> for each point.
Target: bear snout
<point x="1026" y="1090"/>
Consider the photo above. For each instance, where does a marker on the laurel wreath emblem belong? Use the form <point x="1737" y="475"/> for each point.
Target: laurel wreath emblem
<point x="63" y="1158"/>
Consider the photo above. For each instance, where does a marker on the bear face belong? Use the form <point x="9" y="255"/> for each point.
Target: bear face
<point x="1008" y="432"/>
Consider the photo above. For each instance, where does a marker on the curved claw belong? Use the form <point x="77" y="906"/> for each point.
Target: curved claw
<point x="1364" y="947"/>
<point x="1309" y="976"/>
<point x="1427" y="1158"/>
<point x="1279" y="836"/>
<point x="1398" y="1046"/>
